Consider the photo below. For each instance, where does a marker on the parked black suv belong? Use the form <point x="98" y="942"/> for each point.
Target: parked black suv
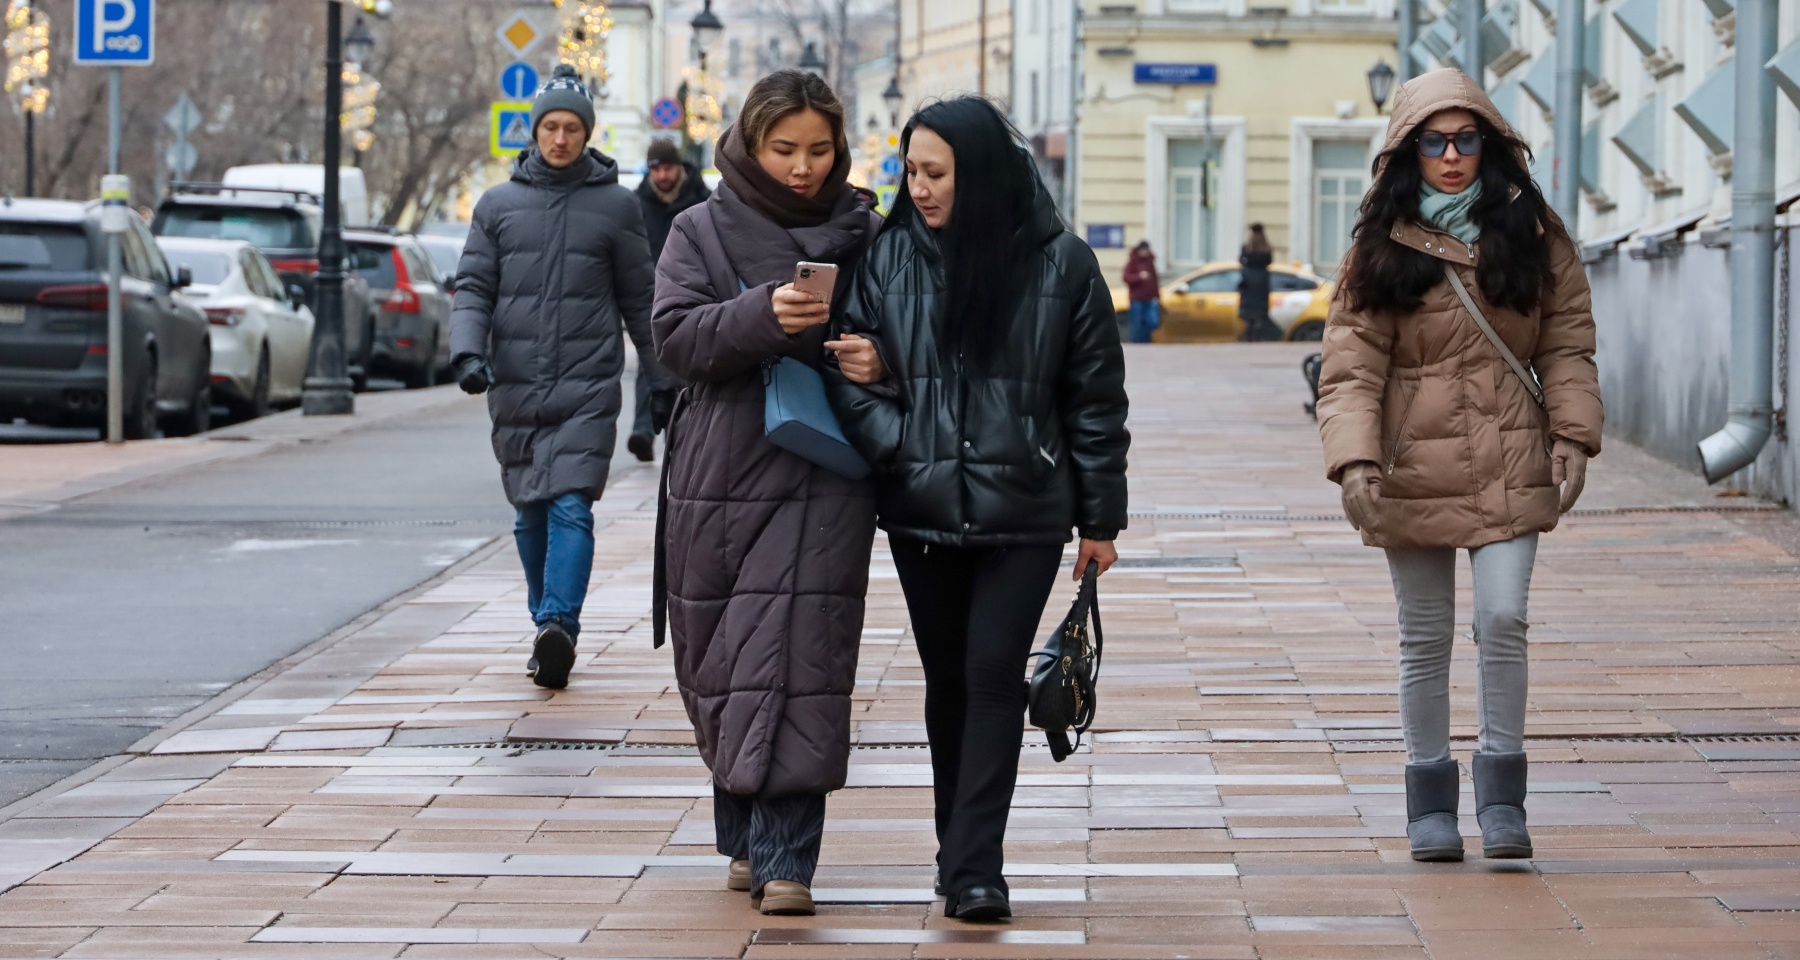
<point x="284" y="225"/>
<point x="53" y="324"/>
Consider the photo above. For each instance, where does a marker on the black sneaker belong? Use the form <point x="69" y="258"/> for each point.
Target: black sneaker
<point x="642" y="446"/>
<point x="554" y="654"/>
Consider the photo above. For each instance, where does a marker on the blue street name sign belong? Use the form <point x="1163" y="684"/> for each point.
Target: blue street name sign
<point x="115" y="33"/>
<point x="1106" y="236"/>
<point x="518" y="81"/>
<point x="666" y="114"/>
<point x="1202" y="73"/>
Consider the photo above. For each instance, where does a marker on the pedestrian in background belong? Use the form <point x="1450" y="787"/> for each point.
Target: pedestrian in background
<point x="555" y="261"/>
<point x="1253" y="287"/>
<point x="670" y="185"/>
<point x="1143" y="290"/>
<point x="997" y="428"/>
<point x="767" y="554"/>
<point x="1442" y="440"/>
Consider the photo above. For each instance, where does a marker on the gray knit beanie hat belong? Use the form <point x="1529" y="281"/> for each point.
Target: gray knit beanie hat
<point x="563" y="91"/>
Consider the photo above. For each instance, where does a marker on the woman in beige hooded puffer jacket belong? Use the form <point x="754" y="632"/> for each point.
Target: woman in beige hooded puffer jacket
<point x="1440" y="443"/>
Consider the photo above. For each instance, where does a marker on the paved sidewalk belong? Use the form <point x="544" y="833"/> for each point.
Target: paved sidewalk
<point x="407" y="792"/>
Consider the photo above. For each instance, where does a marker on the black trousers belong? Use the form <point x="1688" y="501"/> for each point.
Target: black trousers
<point x="778" y="835"/>
<point x="975" y="616"/>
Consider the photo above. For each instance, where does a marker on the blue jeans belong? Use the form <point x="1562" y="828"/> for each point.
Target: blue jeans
<point x="556" y="544"/>
<point x="1146" y="316"/>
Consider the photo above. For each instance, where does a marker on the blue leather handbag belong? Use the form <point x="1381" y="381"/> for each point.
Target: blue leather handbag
<point x="797" y="418"/>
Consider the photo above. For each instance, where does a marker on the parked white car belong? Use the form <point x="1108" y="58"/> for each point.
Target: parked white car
<point x="261" y="332"/>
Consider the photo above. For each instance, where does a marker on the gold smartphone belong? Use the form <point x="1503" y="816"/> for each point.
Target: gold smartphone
<point x="818" y="279"/>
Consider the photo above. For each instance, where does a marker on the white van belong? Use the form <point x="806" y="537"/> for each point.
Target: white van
<point x="353" y="192"/>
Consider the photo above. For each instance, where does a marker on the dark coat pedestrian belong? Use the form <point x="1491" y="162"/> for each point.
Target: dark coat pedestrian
<point x="768" y="554"/>
<point x="1253" y="287"/>
<point x="660" y="208"/>
<point x="556" y="262"/>
<point x="997" y="427"/>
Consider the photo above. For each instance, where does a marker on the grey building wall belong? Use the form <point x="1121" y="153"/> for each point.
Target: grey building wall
<point x="1665" y="358"/>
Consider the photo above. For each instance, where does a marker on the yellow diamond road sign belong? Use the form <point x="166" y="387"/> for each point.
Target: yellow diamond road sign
<point x="518" y="33"/>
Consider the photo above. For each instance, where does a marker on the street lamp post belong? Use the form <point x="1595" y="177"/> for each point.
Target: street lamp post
<point x="327" y="390"/>
<point x="893" y="98"/>
<point x="811" y="61"/>
<point x="1381" y="84"/>
<point x="707" y="27"/>
<point x="27" y="62"/>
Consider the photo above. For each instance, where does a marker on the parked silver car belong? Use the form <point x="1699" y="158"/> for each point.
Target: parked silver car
<point x="261" y="332"/>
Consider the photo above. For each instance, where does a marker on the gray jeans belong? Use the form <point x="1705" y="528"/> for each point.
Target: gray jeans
<point x="1425" y="586"/>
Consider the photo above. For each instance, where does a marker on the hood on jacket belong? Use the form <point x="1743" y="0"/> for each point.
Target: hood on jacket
<point x="1428" y="93"/>
<point x="592" y="168"/>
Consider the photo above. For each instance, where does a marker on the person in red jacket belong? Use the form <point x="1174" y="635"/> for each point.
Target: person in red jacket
<point x="1141" y="285"/>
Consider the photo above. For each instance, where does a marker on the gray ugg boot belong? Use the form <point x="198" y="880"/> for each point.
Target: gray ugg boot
<point x="1500" y="805"/>
<point x="1431" y="795"/>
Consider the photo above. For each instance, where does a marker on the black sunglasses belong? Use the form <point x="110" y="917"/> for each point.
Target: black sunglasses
<point x="1433" y="143"/>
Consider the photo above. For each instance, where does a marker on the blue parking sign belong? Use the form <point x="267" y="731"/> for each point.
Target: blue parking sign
<point x="115" y="33"/>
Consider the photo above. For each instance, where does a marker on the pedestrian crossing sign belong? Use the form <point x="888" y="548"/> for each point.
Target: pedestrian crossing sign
<point x="509" y="127"/>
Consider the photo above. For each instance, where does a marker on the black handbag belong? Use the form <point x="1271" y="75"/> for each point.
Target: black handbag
<point x="1062" y="686"/>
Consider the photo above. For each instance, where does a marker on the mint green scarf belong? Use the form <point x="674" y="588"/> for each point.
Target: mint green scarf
<point x="1452" y="212"/>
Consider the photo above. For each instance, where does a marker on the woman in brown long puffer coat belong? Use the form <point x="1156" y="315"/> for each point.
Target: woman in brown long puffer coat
<point x="1442" y="440"/>
<point x="767" y="555"/>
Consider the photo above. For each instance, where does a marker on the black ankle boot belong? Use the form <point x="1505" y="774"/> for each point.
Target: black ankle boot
<point x="1500" y="805"/>
<point x="1431" y="796"/>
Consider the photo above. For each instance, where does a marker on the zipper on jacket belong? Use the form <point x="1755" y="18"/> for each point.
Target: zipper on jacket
<point x="1400" y="435"/>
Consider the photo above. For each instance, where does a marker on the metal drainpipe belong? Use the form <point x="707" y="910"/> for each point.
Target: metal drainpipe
<point x="1750" y="411"/>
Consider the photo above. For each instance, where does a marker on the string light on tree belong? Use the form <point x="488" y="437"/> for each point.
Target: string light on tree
<point x="358" y="116"/>
<point x="27" y="55"/>
<point x="704" y="115"/>
<point x="582" y="44"/>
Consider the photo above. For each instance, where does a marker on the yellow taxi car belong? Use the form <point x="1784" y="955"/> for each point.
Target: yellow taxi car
<point x="1201" y="305"/>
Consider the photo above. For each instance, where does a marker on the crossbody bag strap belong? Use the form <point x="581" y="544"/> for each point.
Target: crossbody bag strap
<point x="1487" y="329"/>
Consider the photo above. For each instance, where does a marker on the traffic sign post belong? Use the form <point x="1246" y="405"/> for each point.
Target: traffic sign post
<point x="115" y="214"/>
<point x="509" y="127"/>
<point x="519" y="81"/>
<point x="183" y="118"/>
<point x="114" y="34"/>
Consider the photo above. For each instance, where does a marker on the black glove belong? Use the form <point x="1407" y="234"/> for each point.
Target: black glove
<point x="662" y="404"/>
<point x="473" y="374"/>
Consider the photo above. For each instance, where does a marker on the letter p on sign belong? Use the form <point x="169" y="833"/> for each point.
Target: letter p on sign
<point x="115" y="33"/>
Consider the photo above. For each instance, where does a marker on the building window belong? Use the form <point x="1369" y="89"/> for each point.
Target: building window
<point x="1344" y="6"/>
<point x="1340" y="175"/>
<point x="1195" y="6"/>
<point x="1193" y="202"/>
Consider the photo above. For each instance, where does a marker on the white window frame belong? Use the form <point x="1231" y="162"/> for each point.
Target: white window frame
<point x="1378" y="9"/>
<point x="1301" y="201"/>
<point x="1230" y="133"/>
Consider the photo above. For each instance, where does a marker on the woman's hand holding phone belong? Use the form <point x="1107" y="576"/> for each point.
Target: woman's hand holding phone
<point x="797" y="310"/>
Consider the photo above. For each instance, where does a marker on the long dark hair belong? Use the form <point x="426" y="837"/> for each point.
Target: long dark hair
<point x="1517" y="229"/>
<point x="990" y="256"/>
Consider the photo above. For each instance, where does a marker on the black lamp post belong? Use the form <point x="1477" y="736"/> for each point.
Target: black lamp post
<point x="327" y="390"/>
<point x="707" y="27"/>
<point x="1381" y="83"/>
<point x="893" y="97"/>
<point x="810" y="61"/>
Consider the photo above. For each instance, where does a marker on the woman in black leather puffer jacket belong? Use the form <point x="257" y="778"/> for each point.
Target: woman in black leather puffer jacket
<point x="997" y="428"/>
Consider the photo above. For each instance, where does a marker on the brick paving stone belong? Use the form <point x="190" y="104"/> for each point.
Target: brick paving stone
<point x="1239" y="798"/>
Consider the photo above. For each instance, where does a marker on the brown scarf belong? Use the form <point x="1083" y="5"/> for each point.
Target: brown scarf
<point x="768" y="196"/>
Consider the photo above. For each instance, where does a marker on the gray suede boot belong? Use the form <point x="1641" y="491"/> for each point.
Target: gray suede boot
<point x="1431" y="795"/>
<point x="1500" y="805"/>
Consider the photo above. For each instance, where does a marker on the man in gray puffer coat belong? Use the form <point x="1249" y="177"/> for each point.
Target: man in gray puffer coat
<point x="555" y="259"/>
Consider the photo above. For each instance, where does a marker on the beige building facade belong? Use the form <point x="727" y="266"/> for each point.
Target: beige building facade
<point x="1286" y="137"/>
<point x="955" y="46"/>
